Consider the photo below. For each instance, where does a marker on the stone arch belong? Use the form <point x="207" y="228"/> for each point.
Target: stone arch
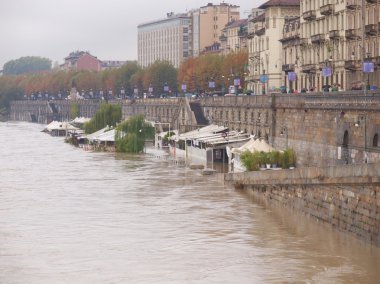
<point x="375" y="140"/>
<point x="345" y="139"/>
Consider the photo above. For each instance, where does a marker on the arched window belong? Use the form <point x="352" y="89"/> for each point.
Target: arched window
<point x="345" y="139"/>
<point x="376" y="140"/>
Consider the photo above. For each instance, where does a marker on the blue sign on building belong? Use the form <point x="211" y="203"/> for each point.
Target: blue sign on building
<point x="368" y="67"/>
<point x="326" y="72"/>
<point x="264" y="78"/>
<point x="237" y="82"/>
<point x="292" y="76"/>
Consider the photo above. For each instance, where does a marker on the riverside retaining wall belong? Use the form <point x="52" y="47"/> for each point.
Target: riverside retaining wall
<point x="347" y="197"/>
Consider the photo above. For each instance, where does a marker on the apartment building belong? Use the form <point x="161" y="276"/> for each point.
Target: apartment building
<point x="165" y="39"/>
<point x="291" y="53"/>
<point x="234" y="36"/>
<point x="265" y="47"/>
<point x="338" y="37"/>
<point x="212" y="20"/>
<point x="81" y="60"/>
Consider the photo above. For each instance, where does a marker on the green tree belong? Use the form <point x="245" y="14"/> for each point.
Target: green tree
<point x="251" y="161"/>
<point x="9" y="91"/>
<point x="74" y="110"/>
<point x="132" y="133"/>
<point x="124" y="75"/>
<point x="28" y="64"/>
<point x="161" y="73"/>
<point x="107" y="114"/>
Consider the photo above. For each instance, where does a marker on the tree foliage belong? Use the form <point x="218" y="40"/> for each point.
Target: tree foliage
<point x="132" y="133"/>
<point x="253" y="160"/>
<point x="197" y="72"/>
<point x="9" y="91"/>
<point x="194" y="72"/>
<point x="159" y="74"/>
<point x="107" y="114"/>
<point x="26" y="64"/>
<point x="74" y="110"/>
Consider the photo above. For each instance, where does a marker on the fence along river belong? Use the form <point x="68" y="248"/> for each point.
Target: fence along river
<point x="70" y="216"/>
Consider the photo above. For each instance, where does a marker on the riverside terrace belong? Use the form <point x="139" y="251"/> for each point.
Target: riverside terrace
<point x="324" y="129"/>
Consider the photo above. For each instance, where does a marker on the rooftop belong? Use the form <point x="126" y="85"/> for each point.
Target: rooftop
<point x="276" y="3"/>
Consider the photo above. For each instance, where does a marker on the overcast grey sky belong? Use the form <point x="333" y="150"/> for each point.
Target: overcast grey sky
<point x="106" y="28"/>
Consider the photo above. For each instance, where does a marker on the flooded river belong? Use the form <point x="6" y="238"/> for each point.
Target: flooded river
<point x="70" y="216"/>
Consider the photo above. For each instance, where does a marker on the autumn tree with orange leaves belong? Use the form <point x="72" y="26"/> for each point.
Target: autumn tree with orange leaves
<point x="197" y="72"/>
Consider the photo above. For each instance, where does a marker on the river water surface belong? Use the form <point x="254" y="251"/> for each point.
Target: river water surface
<point x="70" y="216"/>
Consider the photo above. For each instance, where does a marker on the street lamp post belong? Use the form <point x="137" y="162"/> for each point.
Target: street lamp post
<point x="184" y="88"/>
<point x="150" y="90"/>
<point x="122" y="93"/>
<point x="236" y="84"/>
<point x="223" y="86"/>
<point x="136" y="92"/>
<point x="211" y="84"/>
<point x="109" y="95"/>
<point x="166" y="89"/>
<point x="326" y="72"/>
<point x="368" y="67"/>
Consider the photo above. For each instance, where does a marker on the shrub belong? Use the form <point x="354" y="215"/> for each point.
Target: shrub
<point x="250" y="160"/>
<point x="274" y="157"/>
<point x="131" y="135"/>
<point x="292" y="158"/>
<point x="285" y="159"/>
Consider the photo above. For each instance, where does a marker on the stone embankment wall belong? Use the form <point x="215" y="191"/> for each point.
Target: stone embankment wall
<point x="347" y="197"/>
<point x="323" y="129"/>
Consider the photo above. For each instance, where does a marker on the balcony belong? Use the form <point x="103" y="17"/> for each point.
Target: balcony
<point x="319" y="38"/>
<point x="254" y="56"/>
<point x="308" y="68"/>
<point x="309" y="15"/>
<point x="260" y="32"/>
<point x="370" y="29"/>
<point x="353" y="4"/>
<point x="288" y="67"/>
<point x="327" y="10"/>
<point x="290" y="35"/>
<point x="304" y="41"/>
<point x="251" y="35"/>
<point x="223" y="38"/>
<point x="352" y="65"/>
<point x="377" y="61"/>
<point x="334" y="34"/>
<point x="351" y="34"/>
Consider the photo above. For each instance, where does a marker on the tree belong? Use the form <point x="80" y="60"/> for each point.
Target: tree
<point x="131" y="135"/>
<point x="161" y="73"/>
<point x="124" y="75"/>
<point x="106" y="115"/>
<point x="28" y="64"/>
<point x="9" y="91"/>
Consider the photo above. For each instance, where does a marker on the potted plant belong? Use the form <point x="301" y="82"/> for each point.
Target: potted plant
<point x="292" y="158"/>
<point x="274" y="157"/>
<point x="285" y="159"/>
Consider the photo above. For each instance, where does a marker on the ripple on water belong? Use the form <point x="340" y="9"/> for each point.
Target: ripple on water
<point x="70" y="216"/>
